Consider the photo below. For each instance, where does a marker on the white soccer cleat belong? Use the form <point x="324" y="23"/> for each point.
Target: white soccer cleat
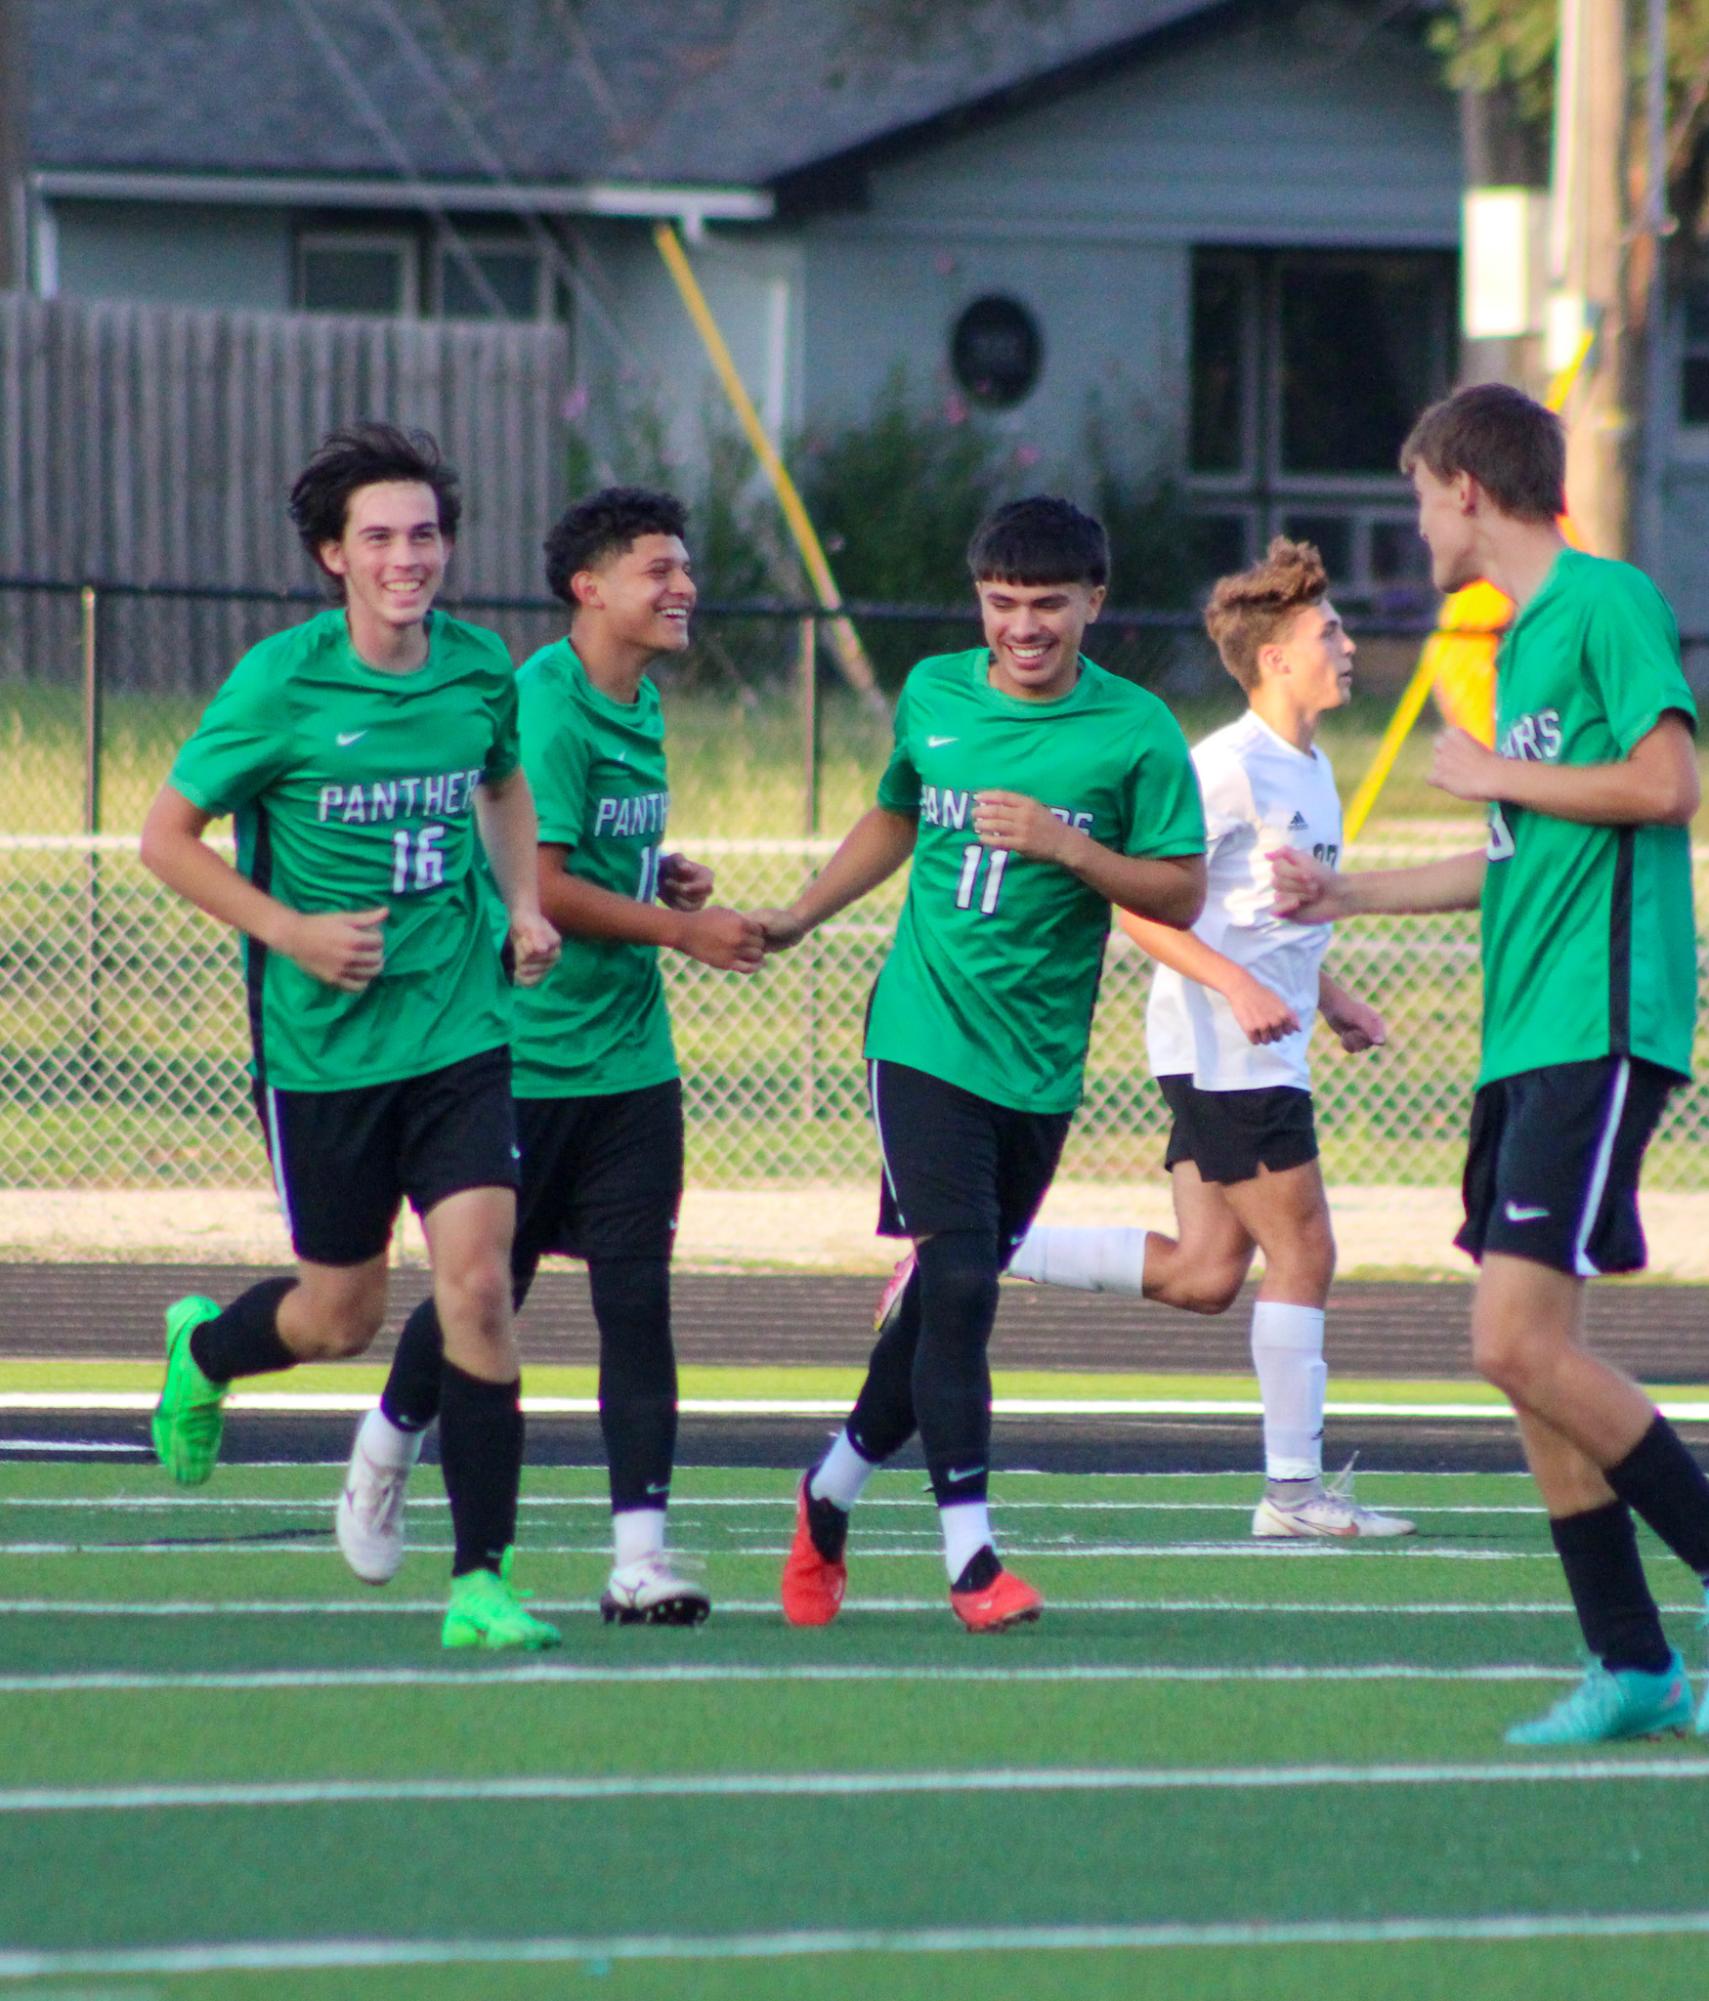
<point x="651" y="1592"/>
<point x="1331" y="1511"/>
<point x="370" y="1518"/>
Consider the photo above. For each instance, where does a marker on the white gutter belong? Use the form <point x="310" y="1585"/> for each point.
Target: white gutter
<point x="693" y="207"/>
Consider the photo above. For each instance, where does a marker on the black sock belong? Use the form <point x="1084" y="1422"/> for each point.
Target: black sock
<point x="244" y="1340"/>
<point x="480" y="1454"/>
<point x="1599" y="1553"/>
<point x="411" y="1396"/>
<point x="952" y="1381"/>
<point x="882" y="1421"/>
<point x="637" y="1377"/>
<point x="981" y="1569"/>
<point x="827" y="1524"/>
<point x="1659" y="1480"/>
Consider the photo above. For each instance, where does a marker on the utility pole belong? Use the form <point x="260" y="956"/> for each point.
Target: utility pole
<point x="14" y="142"/>
<point x="1588" y="260"/>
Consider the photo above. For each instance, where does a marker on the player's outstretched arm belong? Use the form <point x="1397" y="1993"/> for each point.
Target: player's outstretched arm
<point x="872" y="850"/>
<point x="1355" y="1022"/>
<point x="1167" y="888"/>
<point x="725" y="939"/>
<point x="1262" y="1014"/>
<point x="1655" y="785"/>
<point x="504" y="809"/>
<point x="1311" y="892"/>
<point x="342" y="948"/>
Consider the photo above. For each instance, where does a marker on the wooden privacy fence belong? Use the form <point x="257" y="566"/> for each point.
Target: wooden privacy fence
<point x="147" y="442"/>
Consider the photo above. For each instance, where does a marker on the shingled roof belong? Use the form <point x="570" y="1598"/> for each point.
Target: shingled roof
<point x="704" y="92"/>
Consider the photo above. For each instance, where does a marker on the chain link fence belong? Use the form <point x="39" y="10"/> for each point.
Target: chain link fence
<point x="122" y="1026"/>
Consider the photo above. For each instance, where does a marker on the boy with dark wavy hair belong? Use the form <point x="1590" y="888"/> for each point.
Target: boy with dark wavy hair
<point x="364" y="755"/>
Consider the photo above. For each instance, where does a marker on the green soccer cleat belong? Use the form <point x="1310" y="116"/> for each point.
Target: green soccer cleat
<point x="189" y="1419"/>
<point x="486" y="1610"/>
<point x="1612" y="1704"/>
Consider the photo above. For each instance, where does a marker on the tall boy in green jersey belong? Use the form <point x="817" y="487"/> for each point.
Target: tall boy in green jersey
<point x="1031" y="790"/>
<point x="1589" y="959"/>
<point x="359" y="752"/>
<point x="598" y="1098"/>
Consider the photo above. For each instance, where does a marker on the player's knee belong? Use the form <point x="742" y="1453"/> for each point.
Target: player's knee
<point x="476" y="1295"/>
<point x="1505" y="1359"/>
<point x="1211" y="1286"/>
<point x="349" y="1327"/>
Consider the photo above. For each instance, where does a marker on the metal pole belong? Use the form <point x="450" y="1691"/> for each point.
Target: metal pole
<point x="1657" y="347"/>
<point x="90" y="634"/>
<point x="808" y="668"/>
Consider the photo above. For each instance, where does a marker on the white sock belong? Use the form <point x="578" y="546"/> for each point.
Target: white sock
<point x="841" y="1476"/>
<point x="967" y="1530"/>
<point x="387" y="1444"/>
<point x="1287" y="1352"/>
<point x="637" y="1532"/>
<point x="1087" y="1260"/>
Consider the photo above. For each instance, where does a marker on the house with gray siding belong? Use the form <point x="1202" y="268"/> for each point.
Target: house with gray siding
<point x="1229" y="226"/>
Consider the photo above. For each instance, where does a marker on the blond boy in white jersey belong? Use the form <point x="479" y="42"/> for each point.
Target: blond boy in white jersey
<point x="1228" y="1028"/>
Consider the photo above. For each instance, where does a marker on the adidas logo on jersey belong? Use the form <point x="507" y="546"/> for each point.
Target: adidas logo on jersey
<point x="1298" y="824"/>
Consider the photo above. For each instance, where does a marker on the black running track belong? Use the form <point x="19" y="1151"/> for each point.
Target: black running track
<point x="113" y="1312"/>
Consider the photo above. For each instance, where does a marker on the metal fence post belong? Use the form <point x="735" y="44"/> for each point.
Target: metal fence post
<point x="90" y="623"/>
<point x="809" y="672"/>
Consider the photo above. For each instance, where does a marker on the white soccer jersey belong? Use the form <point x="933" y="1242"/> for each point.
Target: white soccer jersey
<point x="1260" y="794"/>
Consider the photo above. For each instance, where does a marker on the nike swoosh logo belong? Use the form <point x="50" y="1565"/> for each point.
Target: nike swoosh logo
<point x="962" y="1472"/>
<point x="1516" y="1214"/>
<point x="938" y="742"/>
<point x="347" y="737"/>
<point x="658" y="1486"/>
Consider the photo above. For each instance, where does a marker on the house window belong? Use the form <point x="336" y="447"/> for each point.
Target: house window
<point x="338" y="273"/>
<point x="488" y="280"/>
<point x="997" y="352"/>
<point x="1308" y="369"/>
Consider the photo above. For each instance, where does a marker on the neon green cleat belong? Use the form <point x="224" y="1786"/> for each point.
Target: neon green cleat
<point x="486" y="1610"/>
<point x="189" y="1419"/>
<point x="1612" y="1704"/>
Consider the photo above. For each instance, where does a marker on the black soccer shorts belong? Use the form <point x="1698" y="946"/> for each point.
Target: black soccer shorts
<point x="956" y="1161"/>
<point x="601" y="1176"/>
<point x="1553" y="1160"/>
<point x="1229" y="1135"/>
<point x="344" y="1161"/>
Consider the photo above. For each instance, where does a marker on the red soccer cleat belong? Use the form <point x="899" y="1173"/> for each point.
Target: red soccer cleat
<point x="1006" y="1601"/>
<point x="813" y="1584"/>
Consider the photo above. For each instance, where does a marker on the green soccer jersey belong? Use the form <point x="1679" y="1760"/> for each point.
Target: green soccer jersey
<point x="597" y="1022"/>
<point x="1589" y="942"/>
<point x="352" y="788"/>
<point x="992" y="979"/>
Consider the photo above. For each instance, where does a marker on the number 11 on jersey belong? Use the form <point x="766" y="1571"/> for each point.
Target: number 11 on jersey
<point x="996" y="860"/>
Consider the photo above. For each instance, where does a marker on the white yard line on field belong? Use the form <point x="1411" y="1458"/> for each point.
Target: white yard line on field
<point x="691" y="1503"/>
<point x="607" y="1787"/>
<point x="372" y="1605"/>
<point x="368" y="1955"/>
<point x="518" y="1673"/>
<point x="1263" y="1551"/>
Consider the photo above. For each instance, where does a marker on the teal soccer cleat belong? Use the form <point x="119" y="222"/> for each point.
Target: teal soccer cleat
<point x="1703" y="1713"/>
<point x="1612" y="1704"/>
